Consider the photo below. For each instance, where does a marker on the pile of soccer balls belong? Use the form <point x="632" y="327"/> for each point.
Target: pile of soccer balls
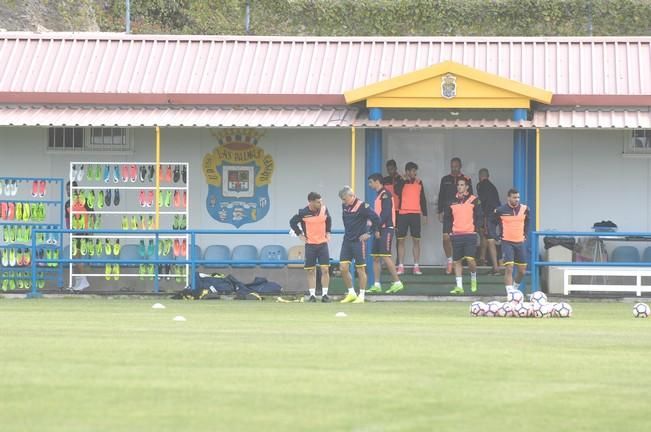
<point x="515" y="306"/>
<point x="641" y="310"/>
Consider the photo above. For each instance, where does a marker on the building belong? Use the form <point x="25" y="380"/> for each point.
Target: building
<point x="98" y="97"/>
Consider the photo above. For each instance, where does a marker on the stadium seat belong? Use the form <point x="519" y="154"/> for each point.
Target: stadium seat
<point x="129" y="252"/>
<point x="296" y="253"/>
<point x="217" y="253"/>
<point x="195" y="252"/>
<point x="273" y="252"/>
<point x="244" y="252"/>
<point x="646" y="255"/>
<point x="625" y="254"/>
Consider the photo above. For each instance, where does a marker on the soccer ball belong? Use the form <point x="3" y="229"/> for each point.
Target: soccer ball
<point x="515" y="296"/>
<point x="538" y="297"/>
<point x="522" y="310"/>
<point x="505" y="310"/>
<point x="641" y="310"/>
<point x="562" y="310"/>
<point x="478" y="308"/>
<point x="531" y="308"/>
<point x="493" y="307"/>
<point x="543" y="310"/>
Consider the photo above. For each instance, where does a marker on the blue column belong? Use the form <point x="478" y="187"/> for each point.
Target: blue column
<point x="520" y="162"/>
<point x="520" y="155"/>
<point x="373" y="152"/>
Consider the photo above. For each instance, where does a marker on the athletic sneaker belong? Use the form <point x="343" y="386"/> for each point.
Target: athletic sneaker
<point x="400" y="269"/>
<point x="116" y="197"/>
<point x="34" y="188"/>
<point x="184" y="174"/>
<point x="416" y="270"/>
<point x="142" y="173"/>
<point x="312" y="299"/>
<point x="168" y="174"/>
<point x="375" y="289"/>
<point x="41" y="189"/>
<point x="325" y="299"/>
<point x="473" y="285"/>
<point x="358" y="300"/>
<point x="116" y="271"/>
<point x="133" y="173"/>
<point x="395" y="287"/>
<point x="107" y="271"/>
<point x="349" y="298"/>
<point x="150" y="173"/>
<point x="177" y="173"/>
<point x="457" y="290"/>
<point x="107" y="173"/>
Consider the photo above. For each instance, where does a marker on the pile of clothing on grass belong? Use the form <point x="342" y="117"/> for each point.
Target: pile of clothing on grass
<point x="213" y="286"/>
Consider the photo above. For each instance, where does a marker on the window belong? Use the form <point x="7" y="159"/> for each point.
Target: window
<point x="65" y="139"/>
<point x="77" y="139"/>
<point x="639" y="142"/>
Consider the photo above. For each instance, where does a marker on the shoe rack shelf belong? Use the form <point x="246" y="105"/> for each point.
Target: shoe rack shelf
<point x="28" y="203"/>
<point x="134" y="185"/>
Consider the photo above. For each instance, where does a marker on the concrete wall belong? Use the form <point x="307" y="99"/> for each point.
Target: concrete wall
<point x="586" y="179"/>
<point x="314" y="160"/>
<point x="584" y="176"/>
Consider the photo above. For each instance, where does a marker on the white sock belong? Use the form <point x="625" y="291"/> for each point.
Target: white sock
<point x="351" y="291"/>
<point x="415" y="264"/>
<point x="312" y="292"/>
<point x="449" y="259"/>
<point x="509" y="288"/>
<point x="459" y="281"/>
<point x="361" y="294"/>
<point x="516" y="285"/>
<point x="473" y="276"/>
<point x="324" y="291"/>
<point x="377" y="284"/>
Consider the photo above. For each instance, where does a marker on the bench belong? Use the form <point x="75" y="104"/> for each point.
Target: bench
<point x="637" y="272"/>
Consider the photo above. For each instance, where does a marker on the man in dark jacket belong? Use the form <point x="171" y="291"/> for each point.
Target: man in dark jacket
<point x="490" y="200"/>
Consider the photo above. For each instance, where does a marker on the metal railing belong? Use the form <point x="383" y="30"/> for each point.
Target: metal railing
<point x="536" y="263"/>
<point x="191" y="262"/>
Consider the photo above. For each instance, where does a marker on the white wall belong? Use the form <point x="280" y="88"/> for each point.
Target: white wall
<point x="432" y="151"/>
<point x="585" y="179"/>
<point x="305" y="161"/>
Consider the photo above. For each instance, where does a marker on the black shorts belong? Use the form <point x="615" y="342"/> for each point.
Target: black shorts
<point x="514" y="253"/>
<point x="464" y="246"/>
<point x="353" y="250"/>
<point x="409" y="223"/>
<point x="382" y="246"/>
<point x="314" y="253"/>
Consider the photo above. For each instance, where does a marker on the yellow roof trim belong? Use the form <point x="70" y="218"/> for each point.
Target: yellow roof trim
<point x="530" y="92"/>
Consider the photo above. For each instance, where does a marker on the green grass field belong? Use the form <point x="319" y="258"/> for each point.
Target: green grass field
<point x="117" y="365"/>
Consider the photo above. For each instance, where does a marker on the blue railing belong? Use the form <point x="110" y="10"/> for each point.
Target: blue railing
<point x="536" y="263"/>
<point x="192" y="261"/>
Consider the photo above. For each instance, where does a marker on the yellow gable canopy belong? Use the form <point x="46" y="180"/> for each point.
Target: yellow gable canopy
<point x="448" y="85"/>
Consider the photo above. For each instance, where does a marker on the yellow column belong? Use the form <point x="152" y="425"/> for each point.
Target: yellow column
<point x="537" y="179"/>
<point x="352" y="158"/>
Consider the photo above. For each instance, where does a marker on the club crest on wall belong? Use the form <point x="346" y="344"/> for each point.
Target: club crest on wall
<point x="238" y="173"/>
<point x="448" y="86"/>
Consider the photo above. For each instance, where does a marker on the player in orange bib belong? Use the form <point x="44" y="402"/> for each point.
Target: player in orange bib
<point x="510" y="223"/>
<point x="384" y="207"/>
<point x="462" y="219"/>
<point x="312" y="224"/>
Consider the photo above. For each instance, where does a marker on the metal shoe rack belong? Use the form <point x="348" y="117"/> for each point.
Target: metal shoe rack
<point x="28" y="203"/>
<point x="134" y="185"/>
